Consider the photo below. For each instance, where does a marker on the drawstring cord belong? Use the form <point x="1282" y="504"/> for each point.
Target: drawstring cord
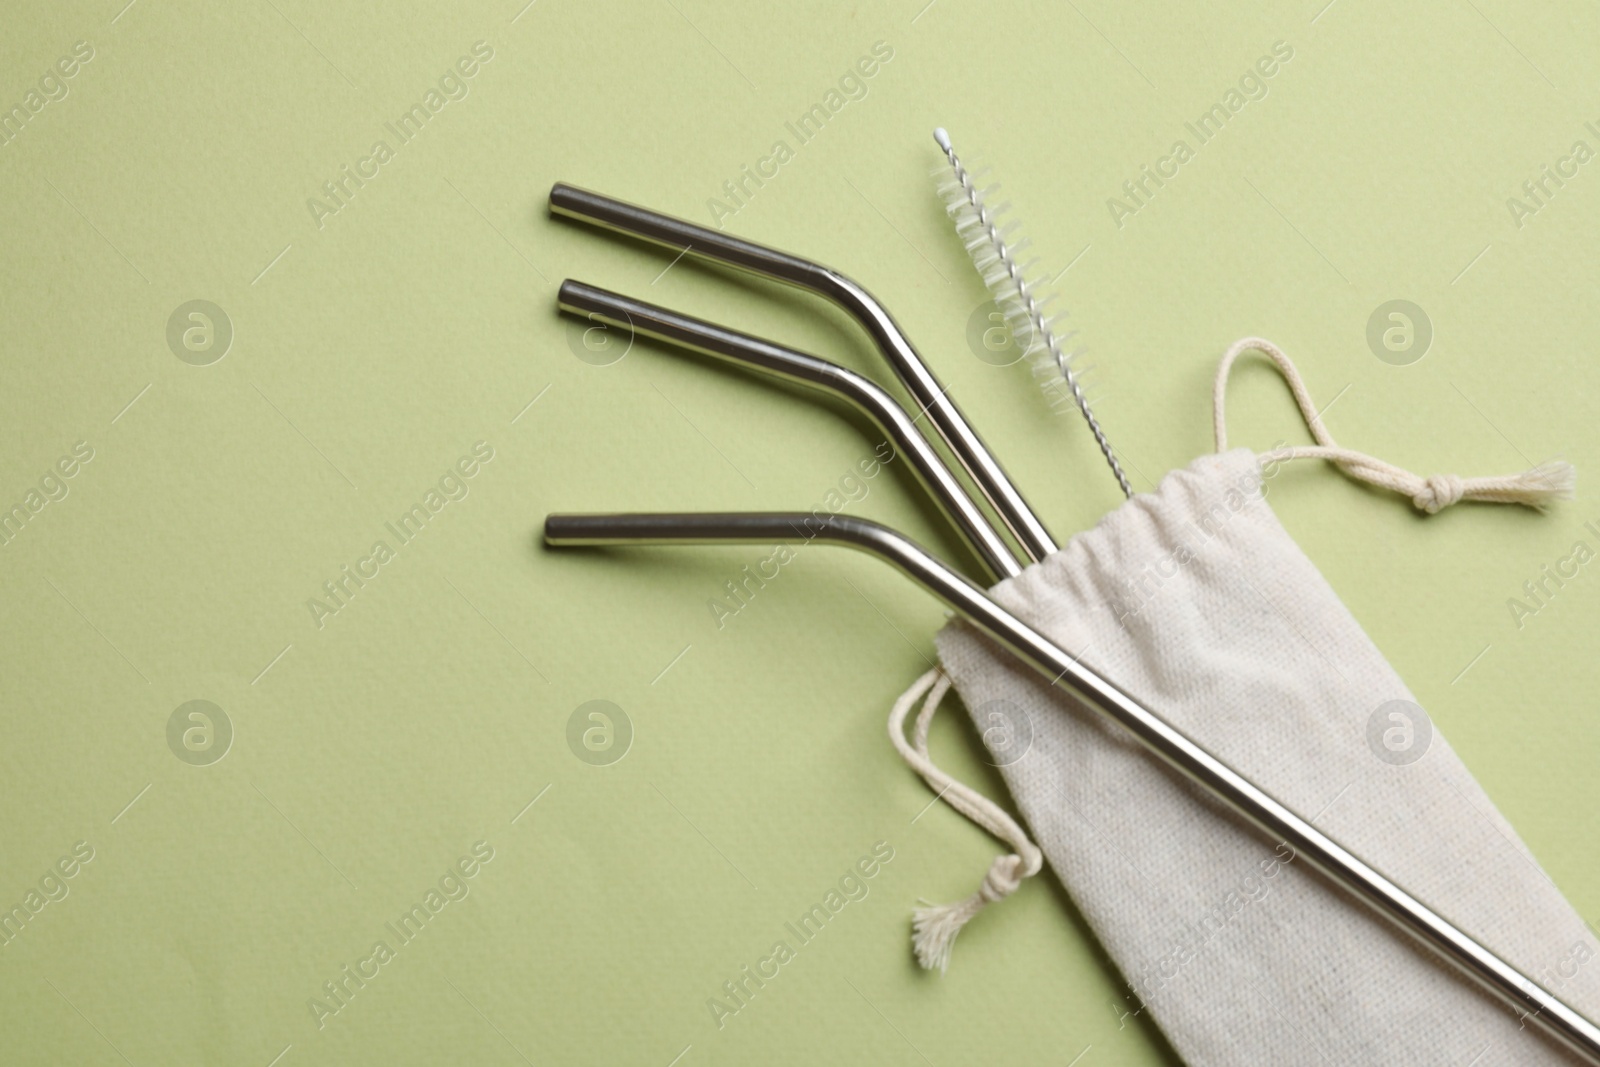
<point x="1534" y="487"/>
<point x="934" y="927"/>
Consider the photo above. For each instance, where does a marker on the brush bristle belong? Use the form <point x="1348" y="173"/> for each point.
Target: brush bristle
<point x="990" y="238"/>
<point x="992" y="242"/>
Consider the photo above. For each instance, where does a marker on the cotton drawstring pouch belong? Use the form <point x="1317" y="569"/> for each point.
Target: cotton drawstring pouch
<point x="1197" y="602"/>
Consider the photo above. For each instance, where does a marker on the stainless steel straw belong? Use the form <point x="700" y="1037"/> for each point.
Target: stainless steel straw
<point x="648" y="320"/>
<point x="925" y="389"/>
<point x="1171" y="746"/>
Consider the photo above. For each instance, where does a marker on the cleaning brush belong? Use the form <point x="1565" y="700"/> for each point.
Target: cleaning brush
<point x="994" y="250"/>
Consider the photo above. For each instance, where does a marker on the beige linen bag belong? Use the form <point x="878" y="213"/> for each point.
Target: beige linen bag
<point x="1196" y="601"/>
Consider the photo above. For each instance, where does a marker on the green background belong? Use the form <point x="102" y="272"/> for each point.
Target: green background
<point x="371" y="353"/>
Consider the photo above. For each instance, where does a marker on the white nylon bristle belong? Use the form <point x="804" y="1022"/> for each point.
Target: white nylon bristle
<point x="993" y="248"/>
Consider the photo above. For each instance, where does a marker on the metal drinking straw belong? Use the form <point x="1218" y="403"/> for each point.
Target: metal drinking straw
<point x="1168" y="744"/>
<point x="648" y="320"/>
<point x="925" y="389"/>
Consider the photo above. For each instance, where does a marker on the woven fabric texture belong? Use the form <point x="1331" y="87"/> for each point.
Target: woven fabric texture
<point x="1195" y="600"/>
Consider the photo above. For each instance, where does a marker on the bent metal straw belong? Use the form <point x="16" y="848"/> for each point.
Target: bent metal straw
<point x="1173" y="748"/>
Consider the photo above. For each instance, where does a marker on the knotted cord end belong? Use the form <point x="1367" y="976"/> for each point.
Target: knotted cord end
<point x="934" y="928"/>
<point x="1535" y="487"/>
